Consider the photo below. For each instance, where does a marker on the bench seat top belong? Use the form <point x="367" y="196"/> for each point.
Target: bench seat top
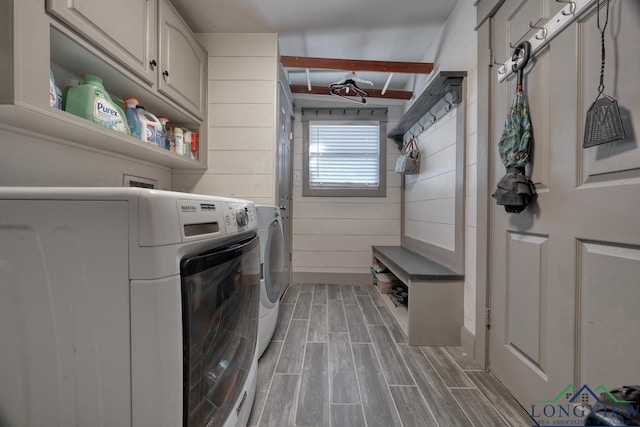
<point x="414" y="266"/>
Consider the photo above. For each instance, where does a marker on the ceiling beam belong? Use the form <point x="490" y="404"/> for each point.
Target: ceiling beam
<point x="357" y="65"/>
<point x="373" y="93"/>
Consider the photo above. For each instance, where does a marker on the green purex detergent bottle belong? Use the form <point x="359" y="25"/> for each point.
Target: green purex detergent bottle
<point x="92" y="102"/>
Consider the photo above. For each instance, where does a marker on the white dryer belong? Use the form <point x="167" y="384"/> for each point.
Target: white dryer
<point x="272" y="267"/>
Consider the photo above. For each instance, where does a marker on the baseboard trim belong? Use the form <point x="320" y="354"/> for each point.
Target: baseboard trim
<point x="468" y="340"/>
<point x="332" y="278"/>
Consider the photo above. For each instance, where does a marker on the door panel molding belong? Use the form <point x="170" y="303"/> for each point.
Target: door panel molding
<point x="526" y="292"/>
<point x="608" y="295"/>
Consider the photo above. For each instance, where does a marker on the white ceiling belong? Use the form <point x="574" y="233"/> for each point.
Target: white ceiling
<point x="384" y="30"/>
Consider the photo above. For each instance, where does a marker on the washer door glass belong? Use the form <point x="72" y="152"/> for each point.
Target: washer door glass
<point x="220" y="298"/>
<point x="274" y="273"/>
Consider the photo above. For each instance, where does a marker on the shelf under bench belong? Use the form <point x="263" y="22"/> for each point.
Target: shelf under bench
<point x="436" y="296"/>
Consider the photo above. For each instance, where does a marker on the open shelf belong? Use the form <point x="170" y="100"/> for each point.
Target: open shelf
<point x="401" y="312"/>
<point x="73" y="57"/>
<point x="67" y="128"/>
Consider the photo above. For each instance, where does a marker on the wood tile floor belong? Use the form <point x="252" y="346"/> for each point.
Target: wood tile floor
<point x="338" y="358"/>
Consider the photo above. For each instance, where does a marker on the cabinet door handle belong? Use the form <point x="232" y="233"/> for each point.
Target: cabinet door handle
<point x="153" y="64"/>
<point x="165" y="73"/>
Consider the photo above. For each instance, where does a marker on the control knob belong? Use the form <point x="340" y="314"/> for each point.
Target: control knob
<point x="242" y="217"/>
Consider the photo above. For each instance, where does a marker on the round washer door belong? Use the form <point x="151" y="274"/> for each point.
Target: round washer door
<point x="274" y="262"/>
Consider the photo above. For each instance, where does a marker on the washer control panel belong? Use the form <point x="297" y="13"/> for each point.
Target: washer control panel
<point x="239" y="216"/>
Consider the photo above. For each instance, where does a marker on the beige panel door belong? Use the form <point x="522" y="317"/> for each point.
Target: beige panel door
<point x="125" y="29"/>
<point x="564" y="274"/>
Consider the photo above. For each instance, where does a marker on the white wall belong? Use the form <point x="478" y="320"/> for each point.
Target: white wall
<point x="242" y="119"/>
<point x="335" y="234"/>
<point x="454" y="50"/>
<point x="32" y="160"/>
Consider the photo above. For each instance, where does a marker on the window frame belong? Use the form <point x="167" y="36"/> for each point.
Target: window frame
<point x="345" y="116"/>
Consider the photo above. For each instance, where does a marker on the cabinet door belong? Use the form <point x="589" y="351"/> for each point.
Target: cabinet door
<point x="183" y="62"/>
<point x="124" y="29"/>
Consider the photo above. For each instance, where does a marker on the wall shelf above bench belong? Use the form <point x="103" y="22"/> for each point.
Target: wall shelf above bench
<point x="445" y="88"/>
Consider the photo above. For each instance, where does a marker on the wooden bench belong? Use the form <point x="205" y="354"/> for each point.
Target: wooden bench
<point x="434" y="314"/>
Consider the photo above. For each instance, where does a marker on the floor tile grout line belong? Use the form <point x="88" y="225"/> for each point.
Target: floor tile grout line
<point x="384" y="375"/>
<point x="355" y="369"/>
<point x="375" y="350"/>
<point x="445" y="384"/>
<point x="285" y="335"/>
<point x="296" y="399"/>
<point x="446" y="354"/>
<point x="275" y="367"/>
<point x="484" y="396"/>
<point x="273" y="375"/>
<point x="402" y="385"/>
<point x="353" y="359"/>
<point x="406" y="365"/>
<point x="463" y="410"/>
<point x="499" y="412"/>
<point x="329" y="379"/>
<point x="458" y="364"/>
<point x="433" y="415"/>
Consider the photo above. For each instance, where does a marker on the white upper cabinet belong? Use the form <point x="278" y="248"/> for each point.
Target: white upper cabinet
<point x="149" y="38"/>
<point x="125" y="29"/>
<point x="182" y="62"/>
<point x="117" y="40"/>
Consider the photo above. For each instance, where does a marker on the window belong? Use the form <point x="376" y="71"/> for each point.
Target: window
<point x="344" y="156"/>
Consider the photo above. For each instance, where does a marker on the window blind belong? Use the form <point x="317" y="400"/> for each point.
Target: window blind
<point x="344" y="155"/>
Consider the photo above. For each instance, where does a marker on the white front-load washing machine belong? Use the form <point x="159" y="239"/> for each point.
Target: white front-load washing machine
<point x="272" y="265"/>
<point x="127" y="307"/>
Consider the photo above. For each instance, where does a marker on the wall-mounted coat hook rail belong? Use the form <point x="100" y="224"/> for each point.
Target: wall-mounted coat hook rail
<point x="449" y="105"/>
<point x="572" y="7"/>
<point x="501" y="68"/>
<point x="554" y="26"/>
<point x="540" y="35"/>
<point x="444" y="83"/>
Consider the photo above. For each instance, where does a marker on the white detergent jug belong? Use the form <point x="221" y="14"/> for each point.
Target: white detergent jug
<point x="150" y="127"/>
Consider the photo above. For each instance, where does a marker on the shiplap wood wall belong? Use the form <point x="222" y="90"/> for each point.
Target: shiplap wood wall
<point x="430" y="196"/>
<point x="242" y="119"/>
<point x="429" y="207"/>
<point x="335" y="234"/>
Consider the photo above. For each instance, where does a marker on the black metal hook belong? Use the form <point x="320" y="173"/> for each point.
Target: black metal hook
<point x="520" y="57"/>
